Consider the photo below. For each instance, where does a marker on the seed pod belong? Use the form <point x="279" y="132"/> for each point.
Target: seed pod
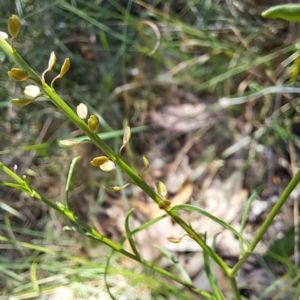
<point x="21" y="101"/>
<point x="93" y="123"/>
<point x="51" y="63"/>
<point x="290" y="12"/>
<point x="98" y="161"/>
<point x="126" y="138"/>
<point x="116" y="188"/>
<point x="174" y="240"/>
<point x="65" y="67"/>
<point x="18" y="74"/>
<point x="14" y="26"/>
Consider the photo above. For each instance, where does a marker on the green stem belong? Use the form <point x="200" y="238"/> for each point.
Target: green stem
<point x="11" y="174"/>
<point x="62" y="106"/>
<point x="234" y="287"/>
<point x="284" y="196"/>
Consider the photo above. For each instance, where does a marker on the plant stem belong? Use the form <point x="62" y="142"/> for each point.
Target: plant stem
<point x="284" y="196"/>
<point x="234" y="287"/>
<point x="62" y="106"/>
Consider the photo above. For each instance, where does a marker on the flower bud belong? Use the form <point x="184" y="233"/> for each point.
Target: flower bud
<point x="18" y="74"/>
<point x="93" y="123"/>
<point x="21" y="101"/>
<point x="98" y="161"/>
<point x="126" y="138"/>
<point x="146" y="163"/>
<point x="32" y="92"/>
<point x="161" y="189"/>
<point x="14" y="26"/>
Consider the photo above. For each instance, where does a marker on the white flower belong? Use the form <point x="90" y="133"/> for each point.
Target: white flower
<point x="32" y="92"/>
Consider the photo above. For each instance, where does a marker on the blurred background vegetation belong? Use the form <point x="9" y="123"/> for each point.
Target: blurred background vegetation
<point x="161" y="67"/>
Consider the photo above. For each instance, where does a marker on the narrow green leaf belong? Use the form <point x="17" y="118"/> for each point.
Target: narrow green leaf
<point x="75" y="229"/>
<point x="143" y="227"/>
<point x="205" y="213"/>
<point x="20" y="187"/>
<point x="33" y="276"/>
<point x="11" y="210"/>
<point x="26" y="148"/>
<point x="211" y="276"/>
<point x="110" y="135"/>
<point x="148" y="224"/>
<point x="245" y="214"/>
<point x="11" y="174"/>
<point x="175" y="261"/>
<point x="12" y="274"/>
<point x="129" y="234"/>
<point x="248" y="206"/>
<point x="290" y="12"/>
<point x="107" y="286"/>
<point x="70" y="174"/>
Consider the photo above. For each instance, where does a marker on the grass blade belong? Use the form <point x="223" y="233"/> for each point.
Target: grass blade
<point x="175" y="261"/>
<point x="129" y="234"/>
<point x="69" y="179"/>
<point x="205" y="213"/>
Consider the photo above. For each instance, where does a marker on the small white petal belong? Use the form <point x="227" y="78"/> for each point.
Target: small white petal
<point x="82" y="111"/>
<point x="32" y="91"/>
<point x="108" y="166"/>
<point x="68" y="143"/>
<point x="4" y="35"/>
